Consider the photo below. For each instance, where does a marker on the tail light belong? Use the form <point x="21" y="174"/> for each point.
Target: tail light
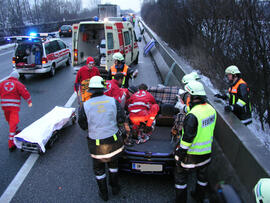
<point x="44" y="60"/>
<point x="13" y="60"/>
<point x="75" y="54"/>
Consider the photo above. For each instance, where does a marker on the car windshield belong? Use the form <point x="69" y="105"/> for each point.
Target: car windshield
<point x="65" y="27"/>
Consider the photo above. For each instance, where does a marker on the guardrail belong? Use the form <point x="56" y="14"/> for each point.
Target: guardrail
<point x="249" y="157"/>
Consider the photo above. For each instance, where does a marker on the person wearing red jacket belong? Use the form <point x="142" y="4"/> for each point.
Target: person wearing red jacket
<point x="114" y="90"/>
<point x="85" y="73"/>
<point x="11" y="91"/>
<point x="142" y="108"/>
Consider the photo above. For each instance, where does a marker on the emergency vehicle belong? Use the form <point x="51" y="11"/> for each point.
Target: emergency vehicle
<point x="119" y="37"/>
<point x="39" y="53"/>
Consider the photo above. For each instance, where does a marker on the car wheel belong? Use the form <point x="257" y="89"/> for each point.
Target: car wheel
<point x="68" y="61"/>
<point x="52" y="71"/>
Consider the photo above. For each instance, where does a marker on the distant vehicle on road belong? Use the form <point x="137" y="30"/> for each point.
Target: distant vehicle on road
<point x="108" y="10"/>
<point x="37" y="55"/>
<point x="65" y="31"/>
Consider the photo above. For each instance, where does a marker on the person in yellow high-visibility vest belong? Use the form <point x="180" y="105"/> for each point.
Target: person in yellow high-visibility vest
<point x="195" y="147"/>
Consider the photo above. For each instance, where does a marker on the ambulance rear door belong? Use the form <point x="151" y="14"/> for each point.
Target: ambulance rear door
<point x="127" y="45"/>
<point x="75" y="44"/>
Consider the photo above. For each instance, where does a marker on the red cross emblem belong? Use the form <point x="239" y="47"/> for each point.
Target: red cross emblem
<point x="9" y="86"/>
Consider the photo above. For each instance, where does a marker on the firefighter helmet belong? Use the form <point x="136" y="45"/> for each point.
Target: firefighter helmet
<point x="232" y="70"/>
<point x="118" y="56"/>
<point x="190" y="77"/>
<point x="261" y="190"/>
<point x="96" y="82"/>
<point x="195" y="88"/>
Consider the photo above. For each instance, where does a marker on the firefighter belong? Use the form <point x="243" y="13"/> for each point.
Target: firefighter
<point x="120" y="66"/>
<point x="261" y="190"/>
<point x="194" y="151"/>
<point x="183" y="98"/>
<point x="238" y="94"/>
<point x="101" y="115"/>
<point x="11" y="91"/>
<point x="83" y="76"/>
<point x="142" y="108"/>
<point x="114" y="90"/>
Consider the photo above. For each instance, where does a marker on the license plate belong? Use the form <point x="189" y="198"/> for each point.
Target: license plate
<point x="147" y="167"/>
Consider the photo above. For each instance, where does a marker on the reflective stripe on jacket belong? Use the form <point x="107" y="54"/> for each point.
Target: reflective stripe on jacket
<point x="114" y="71"/>
<point x="239" y="98"/>
<point x="11" y="91"/>
<point x="202" y="143"/>
<point x="101" y="113"/>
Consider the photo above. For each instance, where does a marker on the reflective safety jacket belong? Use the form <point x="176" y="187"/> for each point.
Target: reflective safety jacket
<point x="124" y="71"/>
<point x="11" y="91"/>
<point x="239" y="99"/>
<point x="101" y="115"/>
<point x="197" y="138"/>
<point x="123" y="68"/>
<point x="139" y="101"/>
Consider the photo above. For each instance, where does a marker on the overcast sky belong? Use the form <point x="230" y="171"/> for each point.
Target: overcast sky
<point x="124" y="4"/>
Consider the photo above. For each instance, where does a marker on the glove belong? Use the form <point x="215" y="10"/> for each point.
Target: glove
<point x="178" y="156"/>
<point x="228" y="108"/>
<point x="147" y="129"/>
<point x="179" y="105"/>
<point x="221" y="96"/>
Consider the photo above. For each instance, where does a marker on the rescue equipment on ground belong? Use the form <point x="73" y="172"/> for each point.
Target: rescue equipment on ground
<point x="42" y="132"/>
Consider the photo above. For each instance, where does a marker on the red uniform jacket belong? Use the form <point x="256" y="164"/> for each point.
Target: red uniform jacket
<point x="141" y="100"/>
<point x="113" y="90"/>
<point x="11" y="91"/>
<point x="83" y="74"/>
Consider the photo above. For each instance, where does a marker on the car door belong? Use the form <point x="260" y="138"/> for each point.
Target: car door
<point x="56" y="52"/>
<point x="127" y="46"/>
<point x="64" y="52"/>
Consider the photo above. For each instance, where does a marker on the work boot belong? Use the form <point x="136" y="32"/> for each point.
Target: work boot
<point x="200" y="194"/>
<point x="113" y="181"/>
<point x="103" y="190"/>
<point x="181" y="195"/>
<point x="11" y="145"/>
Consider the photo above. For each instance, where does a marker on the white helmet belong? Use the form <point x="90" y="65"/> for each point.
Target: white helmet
<point x="261" y="190"/>
<point x="96" y="82"/>
<point x="195" y="88"/>
<point x="190" y="77"/>
<point x="118" y="56"/>
<point x="232" y="70"/>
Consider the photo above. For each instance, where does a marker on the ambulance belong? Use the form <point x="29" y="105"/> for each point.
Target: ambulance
<point x="88" y="40"/>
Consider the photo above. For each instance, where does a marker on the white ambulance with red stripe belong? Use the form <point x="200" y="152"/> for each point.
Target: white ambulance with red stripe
<point x="38" y="55"/>
<point x="119" y="36"/>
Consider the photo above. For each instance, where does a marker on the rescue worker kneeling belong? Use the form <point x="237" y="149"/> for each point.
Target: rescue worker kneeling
<point x="142" y="108"/>
<point x="101" y="115"/>
<point x="194" y="152"/>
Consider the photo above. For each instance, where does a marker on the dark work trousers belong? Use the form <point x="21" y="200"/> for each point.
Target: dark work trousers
<point x="181" y="177"/>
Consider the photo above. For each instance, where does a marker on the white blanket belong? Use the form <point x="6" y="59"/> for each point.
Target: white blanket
<point x="41" y="130"/>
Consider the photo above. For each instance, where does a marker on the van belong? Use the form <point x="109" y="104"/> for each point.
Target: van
<point x="39" y="55"/>
<point x="88" y="39"/>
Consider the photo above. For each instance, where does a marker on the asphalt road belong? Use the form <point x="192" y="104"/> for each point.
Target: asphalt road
<point x="64" y="172"/>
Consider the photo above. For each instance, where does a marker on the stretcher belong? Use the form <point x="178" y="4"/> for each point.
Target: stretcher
<point x="43" y="132"/>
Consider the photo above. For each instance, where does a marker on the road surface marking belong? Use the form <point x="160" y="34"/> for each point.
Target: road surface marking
<point x="6" y="53"/>
<point x="17" y="181"/>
